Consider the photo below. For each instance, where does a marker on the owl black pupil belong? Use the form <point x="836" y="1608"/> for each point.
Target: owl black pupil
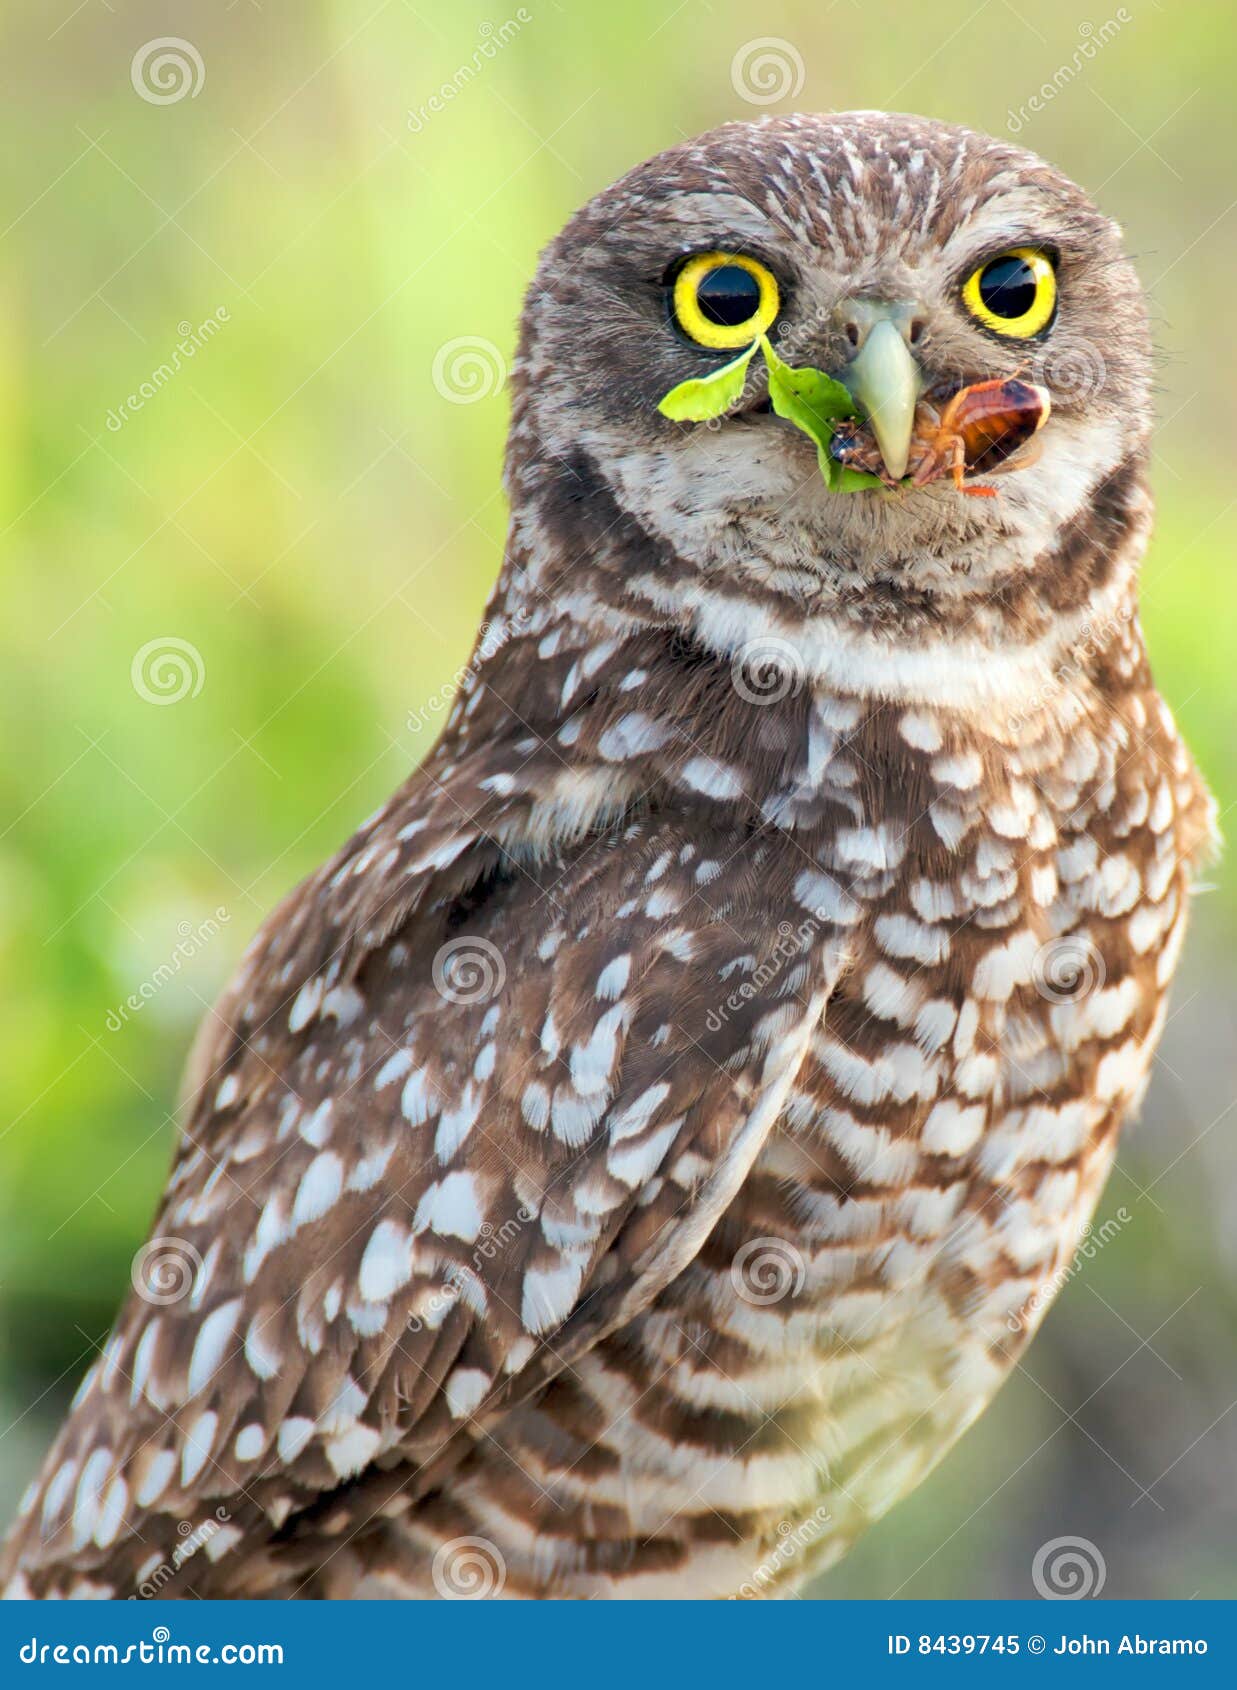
<point x="1007" y="287"/>
<point x="728" y="296"/>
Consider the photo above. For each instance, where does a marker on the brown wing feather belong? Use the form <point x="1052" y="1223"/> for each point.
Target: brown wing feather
<point x="447" y="1131"/>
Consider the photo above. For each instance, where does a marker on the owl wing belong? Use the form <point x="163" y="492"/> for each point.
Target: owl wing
<point x="445" y="1132"/>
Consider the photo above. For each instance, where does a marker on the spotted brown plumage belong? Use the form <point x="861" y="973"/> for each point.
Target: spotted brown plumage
<point x="652" y="1138"/>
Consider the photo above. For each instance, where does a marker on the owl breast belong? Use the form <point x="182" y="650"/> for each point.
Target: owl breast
<point x="1012" y="906"/>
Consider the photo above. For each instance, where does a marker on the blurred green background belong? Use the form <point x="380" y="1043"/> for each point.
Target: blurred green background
<point x="224" y="610"/>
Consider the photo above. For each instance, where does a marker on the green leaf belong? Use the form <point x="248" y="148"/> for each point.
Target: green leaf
<point x="806" y="397"/>
<point x="705" y="397"/>
<point x="841" y="479"/>
<point x="815" y="402"/>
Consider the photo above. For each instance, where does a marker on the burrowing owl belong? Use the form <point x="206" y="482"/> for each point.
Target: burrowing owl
<point x="652" y="1139"/>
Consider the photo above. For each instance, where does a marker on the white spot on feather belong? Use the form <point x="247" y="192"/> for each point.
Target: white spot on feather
<point x="250" y="1442"/>
<point x="612" y="981"/>
<point x="197" y="1446"/>
<point x="415" y="1101"/>
<point x="636" y="1115"/>
<point x="465" y="1390"/>
<point x="156" y="1478"/>
<point x="353" y="1450"/>
<point x="213" y="1337"/>
<point x="315" y="1129"/>
<point x="264" y="1358"/>
<point x="228" y="1092"/>
<point x="320" y="1186"/>
<point x="456" y="1124"/>
<point x="112" y="1512"/>
<point x="294" y="1433"/>
<point x="306" y="1005"/>
<point x="714" y="779"/>
<point x="394" y="1068"/>
<point x="387" y="1262"/>
<point x="631" y="736"/>
<point x="550" y="1293"/>
<point x="58" y="1491"/>
<point x="451" y="1208"/>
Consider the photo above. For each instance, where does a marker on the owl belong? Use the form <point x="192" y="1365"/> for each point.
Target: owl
<point x="628" y="1166"/>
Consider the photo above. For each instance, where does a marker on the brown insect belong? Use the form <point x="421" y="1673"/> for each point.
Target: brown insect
<point x="975" y="431"/>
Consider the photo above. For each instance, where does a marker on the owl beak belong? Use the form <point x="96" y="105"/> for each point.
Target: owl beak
<point x="885" y="379"/>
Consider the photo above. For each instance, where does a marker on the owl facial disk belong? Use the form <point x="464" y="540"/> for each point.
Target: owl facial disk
<point x="738" y="288"/>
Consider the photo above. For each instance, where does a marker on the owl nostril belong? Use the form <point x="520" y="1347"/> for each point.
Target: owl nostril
<point x="851" y="331"/>
<point x="916" y="330"/>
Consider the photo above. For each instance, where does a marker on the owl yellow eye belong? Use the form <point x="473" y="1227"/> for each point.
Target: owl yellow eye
<point x="1015" y="294"/>
<point x="724" y="300"/>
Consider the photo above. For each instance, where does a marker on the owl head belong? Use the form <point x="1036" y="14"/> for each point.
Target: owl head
<point x="900" y="256"/>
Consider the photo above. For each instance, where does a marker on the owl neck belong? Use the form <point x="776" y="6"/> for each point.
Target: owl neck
<point x="610" y="677"/>
<point x="600" y="594"/>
